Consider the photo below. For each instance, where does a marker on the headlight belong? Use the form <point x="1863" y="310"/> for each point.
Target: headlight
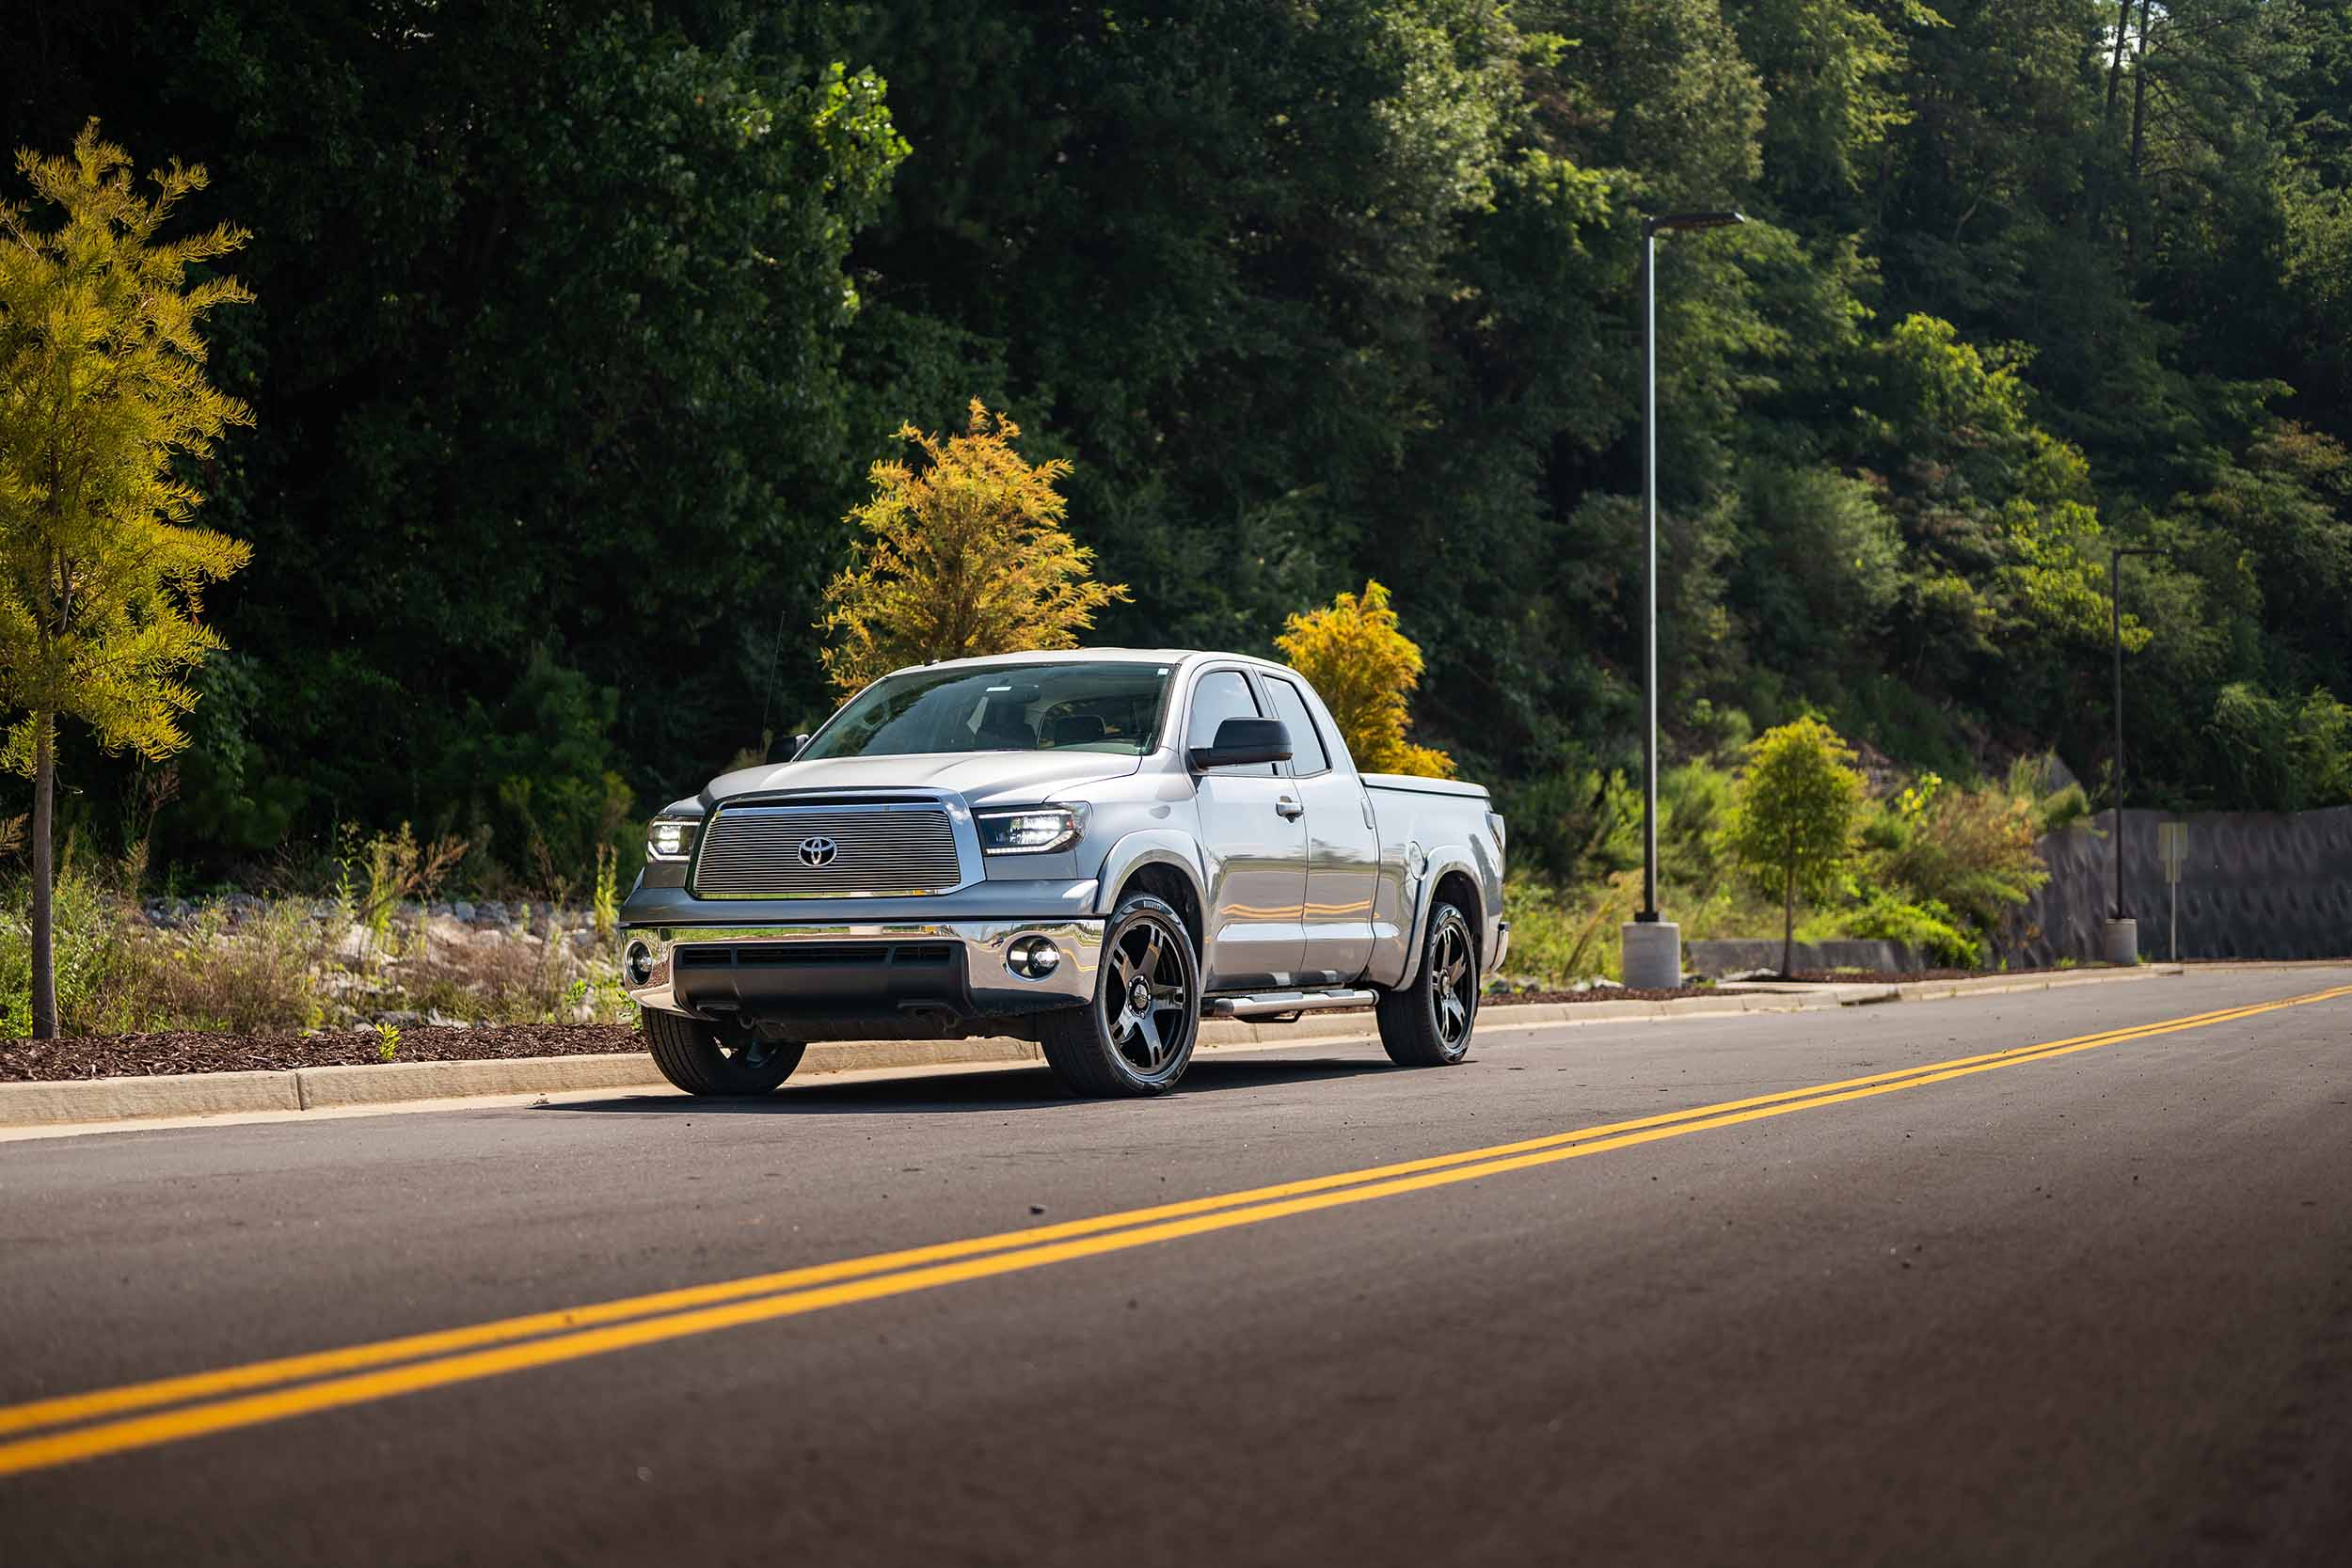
<point x="670" y="838"/>
<point x="1032" y="830"/>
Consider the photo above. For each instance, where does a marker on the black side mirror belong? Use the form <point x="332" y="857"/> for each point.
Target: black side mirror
<point x="1243" y="742"/>
<point x="783" y="749"/>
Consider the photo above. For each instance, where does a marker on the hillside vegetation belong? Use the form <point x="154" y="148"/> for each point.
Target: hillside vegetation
<point x="579" y="327"/>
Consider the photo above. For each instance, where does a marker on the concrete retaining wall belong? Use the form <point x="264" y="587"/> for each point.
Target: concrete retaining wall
<point x="1736" y="956"/>
<point x="2256" y="885"/>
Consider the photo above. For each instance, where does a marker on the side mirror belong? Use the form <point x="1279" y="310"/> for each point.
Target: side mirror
<point x="1243" y="742"/>
<point x="783" y="749"/>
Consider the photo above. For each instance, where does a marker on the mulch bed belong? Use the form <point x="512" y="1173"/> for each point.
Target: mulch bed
<point x="196" y="1050"/>
<point x="1603" y="993"/>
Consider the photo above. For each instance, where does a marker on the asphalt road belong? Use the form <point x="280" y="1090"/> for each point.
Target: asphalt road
<point x="2090" y="1307"/>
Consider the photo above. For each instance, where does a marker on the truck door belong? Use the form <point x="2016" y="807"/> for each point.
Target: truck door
<point x="1343" y="847"/>
<point x="1253" y="840"/>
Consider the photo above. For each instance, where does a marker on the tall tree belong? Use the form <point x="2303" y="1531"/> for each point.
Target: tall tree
<point x="103" y="388"/>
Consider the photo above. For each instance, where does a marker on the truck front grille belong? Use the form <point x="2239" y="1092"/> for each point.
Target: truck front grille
<point x="866" y="851"/>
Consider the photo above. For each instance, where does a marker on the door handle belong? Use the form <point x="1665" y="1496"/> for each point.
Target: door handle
<point x="1288" y="807"/>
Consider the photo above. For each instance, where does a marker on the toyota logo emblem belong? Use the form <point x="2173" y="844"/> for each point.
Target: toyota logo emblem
<point x="818" y="851"/>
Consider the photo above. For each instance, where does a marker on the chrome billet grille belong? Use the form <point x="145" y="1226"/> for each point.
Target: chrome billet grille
<point x="877" y="852"/>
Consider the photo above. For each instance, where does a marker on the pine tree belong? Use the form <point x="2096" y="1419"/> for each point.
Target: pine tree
<point x="101" y="386"/>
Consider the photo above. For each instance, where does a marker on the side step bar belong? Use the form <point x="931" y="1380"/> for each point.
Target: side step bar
<point x="1270" y="1003"/>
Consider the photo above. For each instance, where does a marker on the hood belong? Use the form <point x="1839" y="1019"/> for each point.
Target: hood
<point x="982" y="778"/>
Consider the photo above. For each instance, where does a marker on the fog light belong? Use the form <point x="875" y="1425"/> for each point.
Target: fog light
<point x="637" y="960"/>
<point x="1033" y="957"/>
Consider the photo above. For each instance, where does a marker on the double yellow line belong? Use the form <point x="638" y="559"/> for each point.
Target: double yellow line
<point x="142" y="1415"/>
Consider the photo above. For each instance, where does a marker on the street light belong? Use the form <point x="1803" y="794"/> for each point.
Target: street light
<point x="1653" y="948"/>
<point x="2122" y="937"/>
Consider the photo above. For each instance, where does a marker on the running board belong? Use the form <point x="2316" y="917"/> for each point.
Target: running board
<point x="1270" y="1003"/>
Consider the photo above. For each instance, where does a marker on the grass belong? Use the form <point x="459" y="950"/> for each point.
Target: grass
<point x="1559" y="936"/>
<point x="294" y="964"/>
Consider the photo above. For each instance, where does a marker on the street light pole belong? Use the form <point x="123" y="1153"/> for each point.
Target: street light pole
<point x="2121" y="936"/>
<point x="1653" y="946"/>
<point x="1649" y="580"/>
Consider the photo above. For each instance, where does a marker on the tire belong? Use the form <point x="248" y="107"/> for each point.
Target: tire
<point x="709" y="1060"/>
<point x="1428" y="1023"/>
<point x="1111" y="1047"/>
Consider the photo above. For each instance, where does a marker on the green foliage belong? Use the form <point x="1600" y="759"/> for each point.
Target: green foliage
<point x="1968" y="852"/>
<point x="2286" y="756"/>
<point x="538" y="776"/>
<point x="560" y="412"/>
<point x="604" y="899"/>
<point x="1365" y="670"/>
<point x="115" y="976"/>
<point x="1794" y="814"/>
<point x="1927" y="925"/>
<point x="85" y="953"/>
<point x="278" y="967"/>
<point x="102" y="390"/>
<point x="966" y="555"/>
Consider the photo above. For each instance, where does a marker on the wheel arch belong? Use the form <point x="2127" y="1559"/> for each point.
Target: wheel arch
<point x="1452" y="879"/>
<point x="1161" y="865"/>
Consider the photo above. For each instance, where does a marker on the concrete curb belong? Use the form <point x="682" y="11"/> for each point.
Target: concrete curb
<point x="200" y="1094"/>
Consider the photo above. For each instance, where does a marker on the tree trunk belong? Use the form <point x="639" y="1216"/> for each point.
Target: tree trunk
<point x="2105" y="172"/>
<point x="1789" y="925"/>
<point x="2139" y="137"/>
<point x="2115" y="66"/>
<point x="44" y="957"/>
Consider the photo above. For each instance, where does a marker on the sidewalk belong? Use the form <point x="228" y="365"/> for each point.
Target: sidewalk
<point x="202" y="1094"/>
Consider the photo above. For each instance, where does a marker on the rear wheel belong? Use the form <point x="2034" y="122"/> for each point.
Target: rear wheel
<point x="1428" y="1023"/>
<point x="1136" y="1036"/>
<point x="717" y="1059"/>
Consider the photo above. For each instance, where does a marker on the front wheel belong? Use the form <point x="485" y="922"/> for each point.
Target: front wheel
<point x="1428" y="1023"/>
<point x="1135" y="1037"/>
<point x="730" y="1060"/>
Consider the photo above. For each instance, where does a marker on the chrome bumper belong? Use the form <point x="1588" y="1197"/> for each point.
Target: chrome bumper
<point x="988" y="986"/>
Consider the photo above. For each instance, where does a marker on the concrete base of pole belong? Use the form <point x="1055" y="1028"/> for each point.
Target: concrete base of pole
<point x="1653" y="955"/>
<point x="2119" y="941"/>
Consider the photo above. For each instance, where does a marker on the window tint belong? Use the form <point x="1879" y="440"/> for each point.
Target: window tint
<point x="1307" y="753"/>
<point x="1223" y="694"/>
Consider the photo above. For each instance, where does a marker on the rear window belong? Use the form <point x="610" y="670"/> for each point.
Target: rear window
<point x="1307" y="752"/>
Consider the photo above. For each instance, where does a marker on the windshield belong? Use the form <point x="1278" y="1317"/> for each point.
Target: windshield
<point x="1094" y="706"/>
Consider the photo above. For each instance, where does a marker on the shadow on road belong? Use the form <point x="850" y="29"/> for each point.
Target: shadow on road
<point x="1024" y="1088"/>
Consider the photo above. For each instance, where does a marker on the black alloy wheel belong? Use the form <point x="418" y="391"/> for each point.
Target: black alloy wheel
<point x="1428" y="1023"/>
<point x="1137" y="1035"/>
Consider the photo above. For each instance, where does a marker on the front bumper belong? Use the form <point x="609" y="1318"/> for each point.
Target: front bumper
<point x="910" y="980"/>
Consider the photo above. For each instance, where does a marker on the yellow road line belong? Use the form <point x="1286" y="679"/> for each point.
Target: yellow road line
<point x="175" y="1390"/>
<point x="792" y="1292"/>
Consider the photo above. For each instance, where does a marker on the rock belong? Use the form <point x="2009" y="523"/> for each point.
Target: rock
<point x="397" y="1021"/>
<point x="439" y="1019"/>
<point x="462" y="910"/>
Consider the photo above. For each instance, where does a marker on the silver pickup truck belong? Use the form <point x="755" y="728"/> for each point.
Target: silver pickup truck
<point x="1094" y="850"/>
